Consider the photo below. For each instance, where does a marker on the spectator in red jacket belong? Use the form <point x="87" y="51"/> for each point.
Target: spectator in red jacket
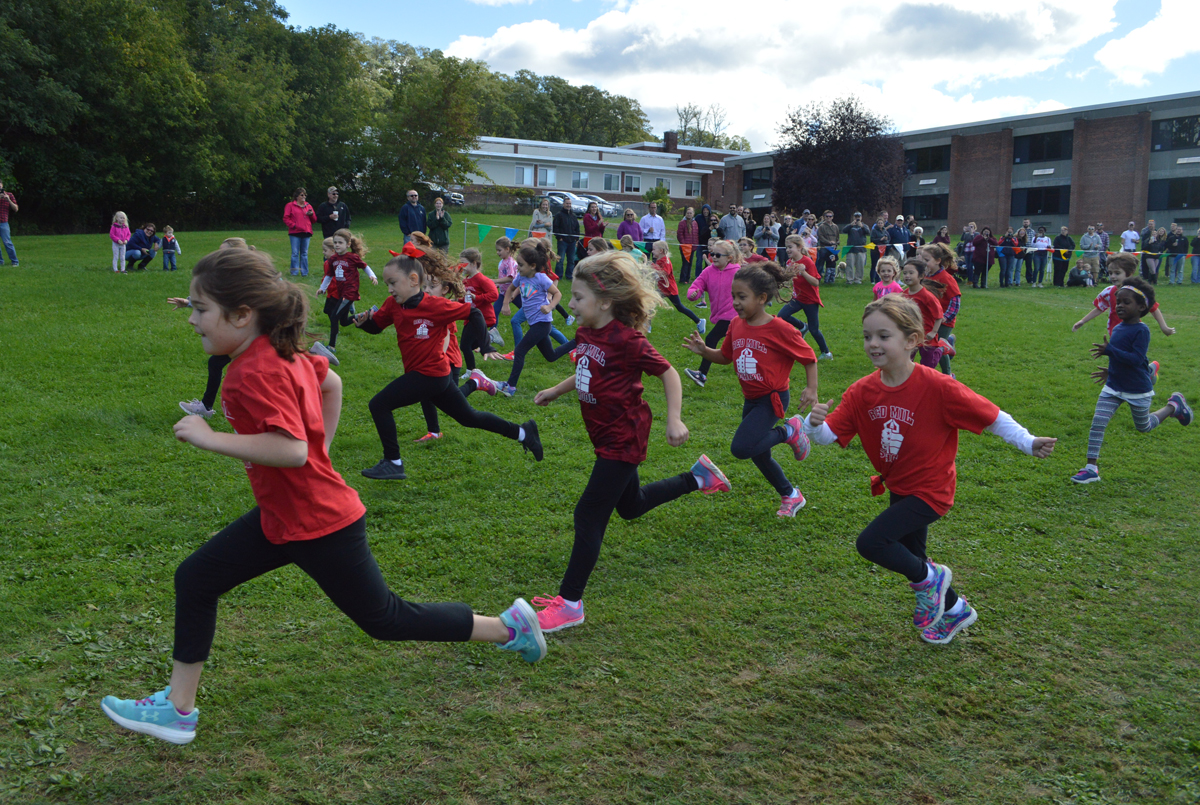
<point x="299" y="217"/>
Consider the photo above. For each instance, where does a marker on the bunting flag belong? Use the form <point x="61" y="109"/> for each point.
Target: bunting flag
<point x="511" y="232"/>
<point x="586" y="241"/>
<point x="686" y="250"/>
<point x="538" y="234"/>
<point x="483" y="231"/>
<point x="771" y="252"/>
<point x="616" y="244"/>
<point x="1065" y="253"/>
<point x="643" y="246"/>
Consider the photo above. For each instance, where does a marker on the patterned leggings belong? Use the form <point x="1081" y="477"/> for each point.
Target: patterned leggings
<point x="1106" y="406"/>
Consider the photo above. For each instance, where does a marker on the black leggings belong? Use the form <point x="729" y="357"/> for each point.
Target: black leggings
<point x="895" y="540"/>
<point x="612" y="485"/>
<point x="537" y="336"/>
<point x="562" y="311"/>
<point x="216" y="366"/>
<point x="674" y="300"/>
<point x="475" y="334"/>
<point x="712" y="341"/>
<point x="432" y="424"/>
<point x="812" y="312"/>
<point x="755" y="437"/>
<point x="340" y="563"/>
<point x="413" y="387"/>
<point x="339" y="311"/>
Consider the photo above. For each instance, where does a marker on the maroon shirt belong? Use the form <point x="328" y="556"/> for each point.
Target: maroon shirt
<point x="344" y="270"/>
<point x="4" y="207"/>
<point x="609" y="364"/>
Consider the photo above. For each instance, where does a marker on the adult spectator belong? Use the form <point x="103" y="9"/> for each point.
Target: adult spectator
<point x="1006" y="252"/>
<point x="1177" y="246"/>
<point x="688" y="235"/>
<point x="654" y="228"/>
<point x="966" y="250"/>
<point x="298" y="216"/>
<point x="1196" y="258"/>
<point x="412" y="216"/>
<point x="1150" y="231"/>
<point x="829" y="238"/>
<point x="439" y="222"/>
<point x="898" y="237"/>
<point x="879" y="237"/>
<point x="8" y="203"/>
<point x="566" y="236"/>
<point x="942" y="236"/>
<point x="732" y="225"/>
<point x="704" y="222"/>
<point x="1041" y="253"/>
<point x="629" y="226"/>
<point x="542" y="221"/>
<point x="141" y="246"/>
<point x="767" y="235"/>
<point x="1026" y="235"/>
<point x="1090" y="244"/>
<point x="1154" y="243"/>
<point x="1104" y="241"/>
<point x="857" y="238"/>
<point x="785" y="227"/>
<point x="1130" y="238"/>
<point x="748" y="220"/>
<point x="333" y="214"/>
<point x="984" y="254"/>
<point x="1063" y="242"/>
<point x="593" y="221"/>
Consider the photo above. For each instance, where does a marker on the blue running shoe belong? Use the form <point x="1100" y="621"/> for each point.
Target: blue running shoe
<point x="931" y="596"/>
<point x="1086" y="476"/>
<point x="529" y="642"/>
<point x="1183" y="411"/>
<point x="153" y="716"/>
<point x="944" y="630"/>
<point x="713" y="480"/>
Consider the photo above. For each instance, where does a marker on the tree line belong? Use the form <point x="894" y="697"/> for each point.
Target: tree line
<point x="213" y="111"/>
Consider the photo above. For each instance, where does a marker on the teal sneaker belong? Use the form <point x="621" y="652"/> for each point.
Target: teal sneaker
<point x="529" y="642"/>
<point x="931" y="597"/>
<point x="944" y="630"/>
<point x="153" y="716"/>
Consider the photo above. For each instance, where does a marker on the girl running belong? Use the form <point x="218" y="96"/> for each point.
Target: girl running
<point x="806" y="293"/>
<point x="887" y="270"/>
<point x="931" y="310"/>
<point x="422" y="324"/>
<point x="763" y="349"/>
<point x="521" y="317"/>
<point x="666" y="282"/>
<point x="341" y="285"/>
<point x="507" y="272"/>
<point x="1129" y="377"/>
<point x="119" y="234"/>
<point x="613" y="297"/>
<point x="1121" y="266"/>
<point x="746" y="249"/>
<point x="940" y="264"/>
<point x="717" y="282"/>
<point x="481" y="293"/>
<point x="908" y="418"/>
<point x="539" y="296"/>
<point x="284" y="406"/>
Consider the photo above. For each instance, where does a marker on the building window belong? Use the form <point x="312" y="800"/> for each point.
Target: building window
<point x="612" y="182"/>
<point x="1043" y="147"/>
<point x="1174" y="194"/>
<point x="757" y="179"/>
<point x="579" y="180"/>
<point x="928" y="160"/>
<point x="691" y="188"/>
<point x="524" y="176"/>
<point x="633" y="183"/>
<point x="927" y="208"/>
<point x="547" y="177"/>
<point x="661" y="182"/>
<point x="1041" y="201"/>
<point x="1179" y="132"/>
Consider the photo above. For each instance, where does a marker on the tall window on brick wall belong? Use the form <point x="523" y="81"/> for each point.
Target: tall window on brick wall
<point x="757" y="179"/>
<point x="928" y="160"/>
<point x="1179" y="132"/>
<point x="579" y="180"/>
<point x="927" y="208"/>
<point x="612" y="182"/>
<point x="691" y="188"/>
<point x="633" y="183"/>
<point x="1041" y="201"/>
<point x="1043" y="147"/>
<point x="1174" y="194"/>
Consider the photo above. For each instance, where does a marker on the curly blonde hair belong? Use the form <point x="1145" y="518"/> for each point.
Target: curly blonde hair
<point x="630" y="285"/>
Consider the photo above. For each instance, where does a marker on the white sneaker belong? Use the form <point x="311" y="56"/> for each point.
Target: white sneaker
<point x="325" y="352"/>
<point x="495" y="337"/>
<point x="196" y="408"/>
<point x="826" y="356"/>
<point x="570" y="320"/>
<point x="701" y="326"/>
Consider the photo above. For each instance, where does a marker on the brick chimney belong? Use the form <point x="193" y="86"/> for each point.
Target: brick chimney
<point x="671" y="142"/>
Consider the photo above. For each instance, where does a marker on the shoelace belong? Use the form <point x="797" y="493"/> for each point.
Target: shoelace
<point x="549" y="603"/>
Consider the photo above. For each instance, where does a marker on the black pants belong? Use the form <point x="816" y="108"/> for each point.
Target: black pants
<point x="873" y="250"/>
<point x="674" y="300"/>
<point x="342" y="565"/>
<point x="1028" y="258"/>
<point x="413" y="387"/>
<point x="1060" y="271"/>
<point x="612" y="485"/>
<point x="429" y="410"/>
<point x="895" y="540"/>
<point x="538" y="336"/>
<point x="340" y="312"/>
<point x="755" y="437"/>
<point x="475" y="335"/>
<point x="812" y="313"/>
<point x="216" y="366"/>
<point x="712" y="341"/>
<point x="685" y="264"/>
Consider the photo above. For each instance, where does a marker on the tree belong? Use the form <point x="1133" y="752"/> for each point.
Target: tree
<point x="662" y="197"/>
<point x="841" y="157"/>
<point x="705" y="128"/>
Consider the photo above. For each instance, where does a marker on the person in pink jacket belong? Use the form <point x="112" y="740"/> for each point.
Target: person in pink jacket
<point x="717" y="281"/>
<point x="119" y="233"/>
<point x="299" y="216"/>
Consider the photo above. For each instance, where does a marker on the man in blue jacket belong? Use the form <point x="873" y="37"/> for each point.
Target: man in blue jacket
<point x="412" y="216"/>
<point x="141" y="246"/>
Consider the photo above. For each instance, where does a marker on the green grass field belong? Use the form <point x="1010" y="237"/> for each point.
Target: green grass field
<point x="729" y="656"/>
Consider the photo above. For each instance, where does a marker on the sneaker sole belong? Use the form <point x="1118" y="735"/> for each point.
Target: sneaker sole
<point x="792" y="513"/>
<point x="707" y="463"/>
<point x="528" y="613"/>
<point x="562" y="626"/>
<point x="974" y="616"/>
<point x="403" y="477"/>
<point x="941" y="602"/>
<point x="1085" y="480"/>
<point x="153" y="730"/>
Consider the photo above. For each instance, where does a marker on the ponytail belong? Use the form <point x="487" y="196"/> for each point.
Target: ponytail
<point x="762" y="278"/>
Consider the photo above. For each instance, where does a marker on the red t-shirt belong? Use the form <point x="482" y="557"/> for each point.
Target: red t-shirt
<point x="421" y="331"/>
<point x="763" y="355"/>
<point x="331" y="290"/>
<point x="910" y="432"/>
<point x="344" y="270"/>
<point x="666" y="277"/>
<point x="803" y="291"/>
<point x="263" y="393"/>
<point x="931" y="308"/>
<point x="951" y="293"/>
<point x="609" y="363"/>
<point x="485" y="293"/>
<point x="1106" y="301"/>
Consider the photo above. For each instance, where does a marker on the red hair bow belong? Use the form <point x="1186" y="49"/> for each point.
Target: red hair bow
<point x="409" y="250"/>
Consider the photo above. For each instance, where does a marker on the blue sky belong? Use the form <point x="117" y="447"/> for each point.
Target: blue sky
<point x="924" y="63"/>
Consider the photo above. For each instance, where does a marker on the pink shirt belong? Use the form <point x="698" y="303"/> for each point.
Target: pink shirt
<point x="508" y="268"/>
<point x="299" y="219"/>
<point x="119" y="234"/>
<point x="719" y="284"/>
<point x="882" y="290"/>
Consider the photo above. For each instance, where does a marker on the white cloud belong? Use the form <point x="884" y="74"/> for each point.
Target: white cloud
<point x="1148" y="49"/>
<point x="917" y="62"/>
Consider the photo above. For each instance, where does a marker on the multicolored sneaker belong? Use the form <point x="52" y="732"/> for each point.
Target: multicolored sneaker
<point x="696" y="377"/>
<point x="790" y="504"/>
<point x="197" y="408"/>
<point x="508" y="356"/>
<point x="1183" y="411"/>
<point x="1086" y="476"/>
<point x="428" y="437"/>
<point x="944" y="631"/>
<point x="528" y="641"/>
<point x="702" y="326"/>
<point x="506" y="389"/>
<point x="153" y="716"/>
<point x="557" y="614"/>
<point x="1154" y="372"/>
<point x="713" y="479"/>
<point x="798" y="441"/>
<point x="483" y="382"/>
<point x="931" y="596"/>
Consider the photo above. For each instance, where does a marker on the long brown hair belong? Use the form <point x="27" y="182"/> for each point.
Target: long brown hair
<point x="241" y="278"/>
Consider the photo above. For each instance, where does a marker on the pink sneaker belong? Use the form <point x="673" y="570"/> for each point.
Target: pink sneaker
<point x="789" y="505"/>
<point x="483" y="382"/>
<point x="714" y="479"/>
<point x="557" y="613"/>
<point x="798" y="441"/>
<point x="428" y="437"/>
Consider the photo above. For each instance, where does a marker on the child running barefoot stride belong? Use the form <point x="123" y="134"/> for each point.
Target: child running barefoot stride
<point x="1129" y="377"/>
<point x="422" y="324"/>
<point x="908" y="418"/>
<point x="341" y="286"/>
<point x="763" y="349"/>
<point x="284" y="406"/>
<point x="613" y="297"/>
<point x="716" y="280"/>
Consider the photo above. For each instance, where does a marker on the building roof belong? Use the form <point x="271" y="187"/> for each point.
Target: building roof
<point x="574" y="146"/>
<point x="677" y="167"/>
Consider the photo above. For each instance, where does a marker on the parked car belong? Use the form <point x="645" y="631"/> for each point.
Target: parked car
<point x="607" y="208"/>
<point x="578" y="203"/>
<point x="430" y="190"/>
